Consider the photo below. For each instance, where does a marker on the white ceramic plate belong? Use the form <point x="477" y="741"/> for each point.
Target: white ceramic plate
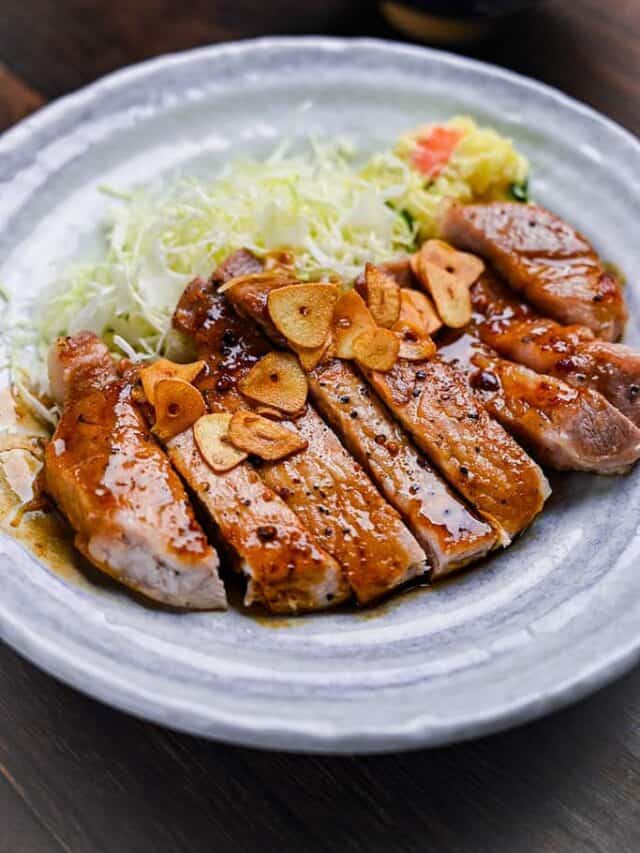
<point x="538" y="626"/>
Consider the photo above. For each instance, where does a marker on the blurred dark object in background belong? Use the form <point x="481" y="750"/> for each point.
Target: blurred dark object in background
<point x="58" y="45"/>
<point x="449" y="22"/>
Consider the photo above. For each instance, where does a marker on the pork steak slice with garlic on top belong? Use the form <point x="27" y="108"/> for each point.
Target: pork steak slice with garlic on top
<point x="433" y="402"/>
<point x="128" y="507"/>
<point x="541" y="256"/>
<point x="323" y="485"/>
<point x="451" y="533"/>
<point x="287" y="567"/>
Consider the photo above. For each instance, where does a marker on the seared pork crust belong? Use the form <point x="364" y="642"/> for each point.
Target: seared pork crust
<point x="545" y="259"/>
<point x="105" y="471"/>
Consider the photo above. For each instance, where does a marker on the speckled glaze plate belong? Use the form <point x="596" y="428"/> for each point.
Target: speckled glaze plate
<point x="535" y="627"/>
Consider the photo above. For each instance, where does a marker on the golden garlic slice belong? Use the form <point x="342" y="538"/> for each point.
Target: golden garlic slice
<point x="211" y="436"/>
<point x="415" y="344"/>
<point x="165" y="369"/>
<point x="465" y="266"/>
<point x="351" y="318"/>
<point x="303" y="312"/>
<point x="267" y="439"/>
<point x="177" y="406"/>
<point x="417" y="311"/>
<point x="450" y="294"/>
<point x="276" y="380"/>
<point x="383" y="296"/>
<point x="311" y="357"/>
<point x="376" y="349"/>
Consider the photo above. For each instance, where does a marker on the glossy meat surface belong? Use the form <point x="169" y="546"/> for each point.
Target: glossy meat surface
<point x="571" y="353"/>
<point x="451" y="533"/>
<point x="287" y="570"/>
<point x="542" y="257"/>
<point x="287" y="566"/>
<point x="567" y="428"/>
<point x="435" y="403"/>
<point x="350" y="519"/>
<point x="332" y="495"/>
<point x="103" y="468"/>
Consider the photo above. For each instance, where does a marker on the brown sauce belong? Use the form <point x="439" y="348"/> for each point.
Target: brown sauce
<point x="236" y="587"/>
<point x="45" y="534"/>
<point x="390" y="604"/>
<point x="50" y="539"/>
<point x="48" y="536"/>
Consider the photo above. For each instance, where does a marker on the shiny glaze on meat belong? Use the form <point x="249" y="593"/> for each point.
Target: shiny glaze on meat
<point x="333" y="496"/>
<point x="351" y="521"/>
<point x="451" y="534"/>
<point x="103" y="468"/>
<point x="229" y="346"/>
<point x="435" y="403"/>
<point x="287" y="565"/>
<point x="571" y="353"/>
<point x="567" y="428"/>
<point x="542" y="257"/>
<point x="287" y="570"/>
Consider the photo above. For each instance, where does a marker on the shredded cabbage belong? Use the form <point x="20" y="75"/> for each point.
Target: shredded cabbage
<point x="331" y="209"/>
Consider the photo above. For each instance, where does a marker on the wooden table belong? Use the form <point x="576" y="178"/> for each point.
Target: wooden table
<point x="78" y="776"/>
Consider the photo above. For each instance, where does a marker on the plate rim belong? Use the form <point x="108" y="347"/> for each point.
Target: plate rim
<point x="419" y="732"/>
<point x="49" y="111"/>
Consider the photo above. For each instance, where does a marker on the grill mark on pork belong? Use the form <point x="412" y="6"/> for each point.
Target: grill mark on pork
<point x="323" y="485"/>
<point x="451" y="533"/>
<point x="129" y="510"/>
<point x="542" y="257"/>
<point x="572" y="353"/>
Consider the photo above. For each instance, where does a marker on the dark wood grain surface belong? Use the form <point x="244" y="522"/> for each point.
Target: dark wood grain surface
<point x="78" y="776"/>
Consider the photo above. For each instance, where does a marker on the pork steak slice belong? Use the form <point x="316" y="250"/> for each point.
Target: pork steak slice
<point x="545" y="259"/>
<point x="572" y="353"/>
<point x="103" y="468"/>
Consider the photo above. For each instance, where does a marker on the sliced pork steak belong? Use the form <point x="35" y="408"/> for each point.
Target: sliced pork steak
<point x="325" y="487"/>
<point x="572" y="353"/>
<point x="451" y="533"/>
